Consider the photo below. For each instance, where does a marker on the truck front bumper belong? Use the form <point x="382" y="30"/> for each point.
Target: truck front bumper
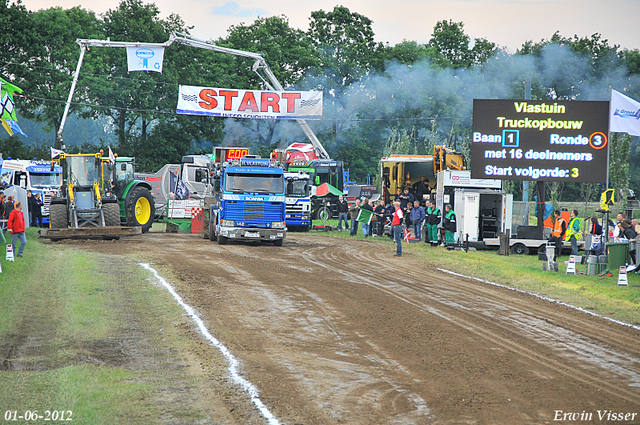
<point x="253" y="233"/>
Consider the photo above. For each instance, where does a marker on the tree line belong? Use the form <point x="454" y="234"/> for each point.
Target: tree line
<point x="378" y="98"/>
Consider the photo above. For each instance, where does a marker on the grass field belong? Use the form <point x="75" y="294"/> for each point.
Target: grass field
<point x="85" y="336"/>
<point x="601" y="295"/>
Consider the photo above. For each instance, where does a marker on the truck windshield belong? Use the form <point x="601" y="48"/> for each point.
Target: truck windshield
<point x="297" y="188"/>
<point x="45" y="180"/>
<point x="254" y="183"/>
<point x="82" y="170"/>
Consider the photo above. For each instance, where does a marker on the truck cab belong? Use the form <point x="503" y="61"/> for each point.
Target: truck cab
<point x="250" y="202"/>
<point x="322" y="171"/>
<point x="298" y="214"/>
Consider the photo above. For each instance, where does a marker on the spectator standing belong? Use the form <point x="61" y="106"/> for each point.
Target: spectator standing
<point x="354" y="210"/>
<point x="407" y="215"/>
<point x="16" y="228"/>
<point x="595" y="228"/>
<point x="559" y="230"/>
<point x="30" y="200"/>
<point x="37" y="210"/>
<point x="366" y="228"/>
<point x="398" y="196"/>
<point x="449" y="224"/>
<point x="380" y="212"/>
<point x="417" y="218"/>
<point x="420" y="188"/>
<point x="398" y="231"/>
<point x="9" y="205"/>
<point x="573" y="232"/>
<point x="343" y="211"/>
<point x="616" y="229"/>
<point x="405" y="199"/>
<point x="627" y="231"/>
<point x="635" y="225"/>
<point x="2" y="216"/>
<point x="433" y="217"/>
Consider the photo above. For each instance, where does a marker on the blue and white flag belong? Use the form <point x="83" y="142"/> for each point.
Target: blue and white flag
<point x="624" y="114"/>
<point x="145" y="58"/>
<point x="182" y="192"/>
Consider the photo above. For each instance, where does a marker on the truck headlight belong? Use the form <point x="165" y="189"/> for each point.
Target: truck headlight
<point x="226" y="223"/>
<point x="278" y="225"/>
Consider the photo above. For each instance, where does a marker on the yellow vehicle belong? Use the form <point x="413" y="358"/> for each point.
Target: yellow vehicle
<point x="400" y="171"/>
<point x="83" y="201"/>
<point x="89" y="204"/>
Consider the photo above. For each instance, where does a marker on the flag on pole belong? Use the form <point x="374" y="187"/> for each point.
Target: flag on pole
<point x="182" y="192"/>
<point x="7" y="105"/>
<point x="624" y="114"/>
<point x="55" y="152"/>
<point x="8" y="117"/>
<point x="112" y="157"/>
<point x="12" y="127"/>
<point x="407" y="235"/>
<point x="145" y="58"/>
<point x="364" y="216"/>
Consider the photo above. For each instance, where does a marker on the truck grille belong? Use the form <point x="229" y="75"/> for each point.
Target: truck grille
<point x="294" y="208"/>
<point x="253" y="213"/>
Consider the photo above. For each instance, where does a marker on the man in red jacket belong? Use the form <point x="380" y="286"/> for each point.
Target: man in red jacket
<point x="16" y="228"/>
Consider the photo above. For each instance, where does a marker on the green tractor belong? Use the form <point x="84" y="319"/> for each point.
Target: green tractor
<point x="137" y="206"/>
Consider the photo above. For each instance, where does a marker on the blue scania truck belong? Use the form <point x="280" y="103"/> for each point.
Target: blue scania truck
<point x="249" y="201"/>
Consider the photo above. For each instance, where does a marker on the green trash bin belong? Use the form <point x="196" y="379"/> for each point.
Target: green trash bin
<point x="618" y="255"/>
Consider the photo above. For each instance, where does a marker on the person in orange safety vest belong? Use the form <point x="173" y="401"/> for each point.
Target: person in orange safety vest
<point x="559" y="229"/>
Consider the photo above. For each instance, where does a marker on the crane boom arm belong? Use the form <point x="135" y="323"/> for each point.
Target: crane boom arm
<point x="188" y="40"/>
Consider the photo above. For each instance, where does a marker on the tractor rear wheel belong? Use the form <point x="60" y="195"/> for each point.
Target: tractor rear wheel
<point x="58" y="216"/>
<point x="141" y="209"/>
<point x="111" y="214"/>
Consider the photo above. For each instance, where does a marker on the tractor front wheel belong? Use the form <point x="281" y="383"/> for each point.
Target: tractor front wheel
<point x="58" y="216"/>
<point x="140" y="209"/>
<point x="111" y="214"/>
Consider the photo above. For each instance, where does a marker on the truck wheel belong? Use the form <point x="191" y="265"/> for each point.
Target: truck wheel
<point x="58" y="216"/>
<point x="111" y="214"/>
<point x="141" y="209"/>
<point x="222" y="240"/>
<point x="278" y="242"/>
<point x="205" y="227"/>
<point x="212" y="234"/>
<point x="519" y="249"/>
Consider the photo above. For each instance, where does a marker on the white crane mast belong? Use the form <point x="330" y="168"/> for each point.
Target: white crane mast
<point x="260" y="64"/>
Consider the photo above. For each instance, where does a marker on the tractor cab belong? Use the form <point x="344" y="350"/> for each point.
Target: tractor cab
<point x="123" y="173"/>
<point x="83" y="201"/>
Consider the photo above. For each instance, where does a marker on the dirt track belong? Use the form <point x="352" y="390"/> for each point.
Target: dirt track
<point x="336" y="331"/>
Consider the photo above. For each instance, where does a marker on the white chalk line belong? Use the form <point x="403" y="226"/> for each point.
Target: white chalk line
<point x="233" y="362"/>
<point x="542" y="297"/>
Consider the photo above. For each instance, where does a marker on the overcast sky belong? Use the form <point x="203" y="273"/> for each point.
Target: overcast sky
<point x="508" y="23"/>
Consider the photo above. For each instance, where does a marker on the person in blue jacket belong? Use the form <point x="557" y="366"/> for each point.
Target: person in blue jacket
<point x="417" y="218"/>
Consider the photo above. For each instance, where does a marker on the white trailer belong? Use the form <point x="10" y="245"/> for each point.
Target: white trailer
<point x="483" y="210"/>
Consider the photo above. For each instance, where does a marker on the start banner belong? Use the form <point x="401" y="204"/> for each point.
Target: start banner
<point x="232" y="103"/>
